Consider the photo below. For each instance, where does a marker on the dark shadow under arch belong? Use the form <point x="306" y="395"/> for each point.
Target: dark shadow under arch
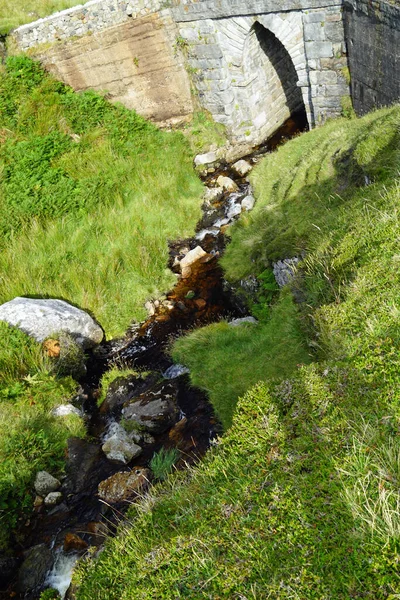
<point x="282" y="63"/>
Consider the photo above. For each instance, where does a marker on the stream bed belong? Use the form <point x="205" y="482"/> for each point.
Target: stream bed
<point x="93" y="499"/>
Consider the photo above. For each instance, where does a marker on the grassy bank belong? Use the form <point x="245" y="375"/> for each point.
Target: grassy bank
<point x="89" y="197"/>
<point x="14" y="14"/>
<point x="31" y="439"/>
<point x="300" y="498"/>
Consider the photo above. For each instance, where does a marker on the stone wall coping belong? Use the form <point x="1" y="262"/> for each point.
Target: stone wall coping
<point x="188" y="10"/>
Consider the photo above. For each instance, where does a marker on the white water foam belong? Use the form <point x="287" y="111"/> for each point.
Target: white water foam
<point x="60" y="576"/>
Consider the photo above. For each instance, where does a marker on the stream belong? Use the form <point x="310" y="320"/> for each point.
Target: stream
<point x="201" y="295"/>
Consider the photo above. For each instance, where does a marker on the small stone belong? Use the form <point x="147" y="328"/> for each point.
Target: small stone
<point x="237" y="322"/>
<point x="192" y="257"/>
<point x="242" y="167"/>
<point x="175" y="371"/>
<point x="53" y="499"/>
<point x="45" y="483"/>
<point x="123" y="486"/>
<point x="248" y="203"/>
<point x="66" y="409"/>
<point x="74" y="543"/>
<point x="149" y="306"/>
<point x="227" y="183"/>
<point x="118" y="446"/>
<point x="205" y="159"/>
<point x="38" y="502"/>
<point x="200" y="303"/>
<point x="213" y="195"/>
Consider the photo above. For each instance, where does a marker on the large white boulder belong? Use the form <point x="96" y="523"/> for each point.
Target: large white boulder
<point x="41" y="318"/>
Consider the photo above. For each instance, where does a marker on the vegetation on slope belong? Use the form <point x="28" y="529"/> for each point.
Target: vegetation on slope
<point x="89" y="196"/>
<point x="14" y="14"/>
<point x="31" y="439"/>
<point x="301" y="497"/>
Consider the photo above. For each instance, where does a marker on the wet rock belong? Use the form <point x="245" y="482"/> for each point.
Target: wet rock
<point x="8" y="567"/>
<point x="175" y="371"/>
<point x="227" y="184"/>
<point x="205" y="159"/>
<point x="32" y="573"/>
<point x="237" y="322"/>
<point x="151" y="309"/>
<point x="248" y="203"/>
<point x="123" y="389"/>
<point x="154" y="411"/>
<point x="41" y="318"/>
<point x="53" y="499"/>
<point x="124" y="486"/>
<point x="38" y="502"/>
<point x="285" y="270"/>
<point x="213" y="195"/>
<point x="81" y="464"/>
<point x="66" y="409"/>
<point x="192" y="256"/>
<point x="119" y="447"/>
<point x="242" y="167"/>
<point x="45" y="483"/>
<point x="74" y="543"/>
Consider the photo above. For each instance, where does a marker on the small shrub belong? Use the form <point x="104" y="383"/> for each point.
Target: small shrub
<point x="162" y="462"/>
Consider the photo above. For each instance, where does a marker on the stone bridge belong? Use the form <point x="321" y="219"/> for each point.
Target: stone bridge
<point x="251" y="63"/>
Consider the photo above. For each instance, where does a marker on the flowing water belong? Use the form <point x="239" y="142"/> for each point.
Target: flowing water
<point x="201" y="297"/>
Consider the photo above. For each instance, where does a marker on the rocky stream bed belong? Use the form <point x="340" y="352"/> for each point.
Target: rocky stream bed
<point x="140" y="414"/>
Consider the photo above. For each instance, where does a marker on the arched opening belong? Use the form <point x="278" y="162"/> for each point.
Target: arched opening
<point x="274" y="93"/>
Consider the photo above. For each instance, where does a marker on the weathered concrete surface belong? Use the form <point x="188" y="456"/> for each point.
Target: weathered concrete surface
<point x="135" y="62"/>
<point x="373" y="39"/>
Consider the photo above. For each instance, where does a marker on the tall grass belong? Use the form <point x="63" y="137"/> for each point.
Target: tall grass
<point x="14" y="14"/>
<point x="31" y="439"/>
<point x="91" y="193"/>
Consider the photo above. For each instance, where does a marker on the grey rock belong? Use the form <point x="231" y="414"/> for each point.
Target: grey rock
<point x="32" y="573"/>
<point x="248" y="203"/>
<point x="45" y="483"/>
<point x="41" y="318"/>
<point x="213" y="195"/>
<point x="156" y="410"/>
<point x="53" y="499"/>
<point x="66" y="409"/>
<point x="227" y="184"/>
<point x="237" y="322"/>
<point x="242" y="167"/>
<point x="175" y="371"/>
<point x="285" y="270"/>
<point x="118" y="446"/>
<point x="205" y="159"/>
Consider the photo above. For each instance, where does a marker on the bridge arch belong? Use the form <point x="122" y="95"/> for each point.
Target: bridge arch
<point x="273" y="94"/>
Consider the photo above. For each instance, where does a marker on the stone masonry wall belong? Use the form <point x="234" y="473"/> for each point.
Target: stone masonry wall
<point x="373" y="34"/>
<point x="252" y="62"/>
<point x="222" y="54"/>
<point x="89" y="18"/>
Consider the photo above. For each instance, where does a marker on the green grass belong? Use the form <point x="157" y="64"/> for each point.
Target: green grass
<point x="89" y="197"/>
<point x="163" y="461"/>
<point x="300" y="497"/>
<point x="30" y="438"/>
<point x="14" y="14"/>
<point x="226" y="361"/>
